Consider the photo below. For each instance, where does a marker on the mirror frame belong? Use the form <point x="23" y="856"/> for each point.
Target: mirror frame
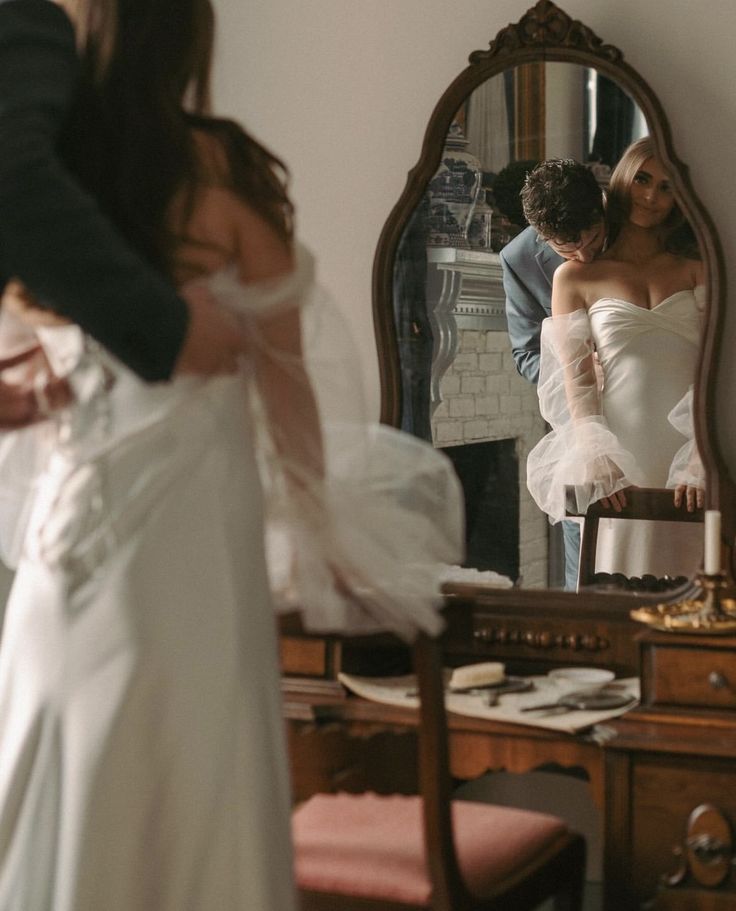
<point x="546" y="33"/>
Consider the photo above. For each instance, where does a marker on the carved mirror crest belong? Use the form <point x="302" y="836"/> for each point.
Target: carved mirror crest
<point x="547" y="87"/>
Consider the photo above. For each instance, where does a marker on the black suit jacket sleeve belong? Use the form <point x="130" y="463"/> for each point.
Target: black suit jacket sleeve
<point x="52" y="235"/>
<point x="524" y="316"/>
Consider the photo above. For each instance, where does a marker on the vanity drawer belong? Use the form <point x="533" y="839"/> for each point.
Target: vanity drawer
<point x="689" y="672"/>
<point x="664" y="794"/>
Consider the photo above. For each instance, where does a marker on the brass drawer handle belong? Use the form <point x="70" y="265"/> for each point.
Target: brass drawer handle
<point x="707" y="854"/>
<point x="719" y="681"/>
<point x="707" y="849"/>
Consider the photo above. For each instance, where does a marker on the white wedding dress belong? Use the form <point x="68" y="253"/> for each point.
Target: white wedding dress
<point x="142" y="758"/>
<point x="637" y="417"/>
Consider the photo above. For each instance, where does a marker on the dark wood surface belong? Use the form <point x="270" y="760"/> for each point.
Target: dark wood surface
<point x="539" y="632"/>
<point x="658" y="762"/>
<point x="664" y="760"/>
<point x="688" y="672"/>
<point x="477" y="746"/>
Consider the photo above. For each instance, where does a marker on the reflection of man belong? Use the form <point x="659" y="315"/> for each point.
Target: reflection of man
<point x="564" y="207"/>
<point x="54" y="238"/>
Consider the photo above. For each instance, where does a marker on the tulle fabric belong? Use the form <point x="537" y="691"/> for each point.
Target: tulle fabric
<point x="580" y="460"/>
<point x="361" y="518"/>
<point x="361" y="526"/>
<point x="687" y="466"/>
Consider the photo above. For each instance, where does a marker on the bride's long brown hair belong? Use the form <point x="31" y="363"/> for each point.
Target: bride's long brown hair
<point x="677" y="234"/>
<point x="131" y="136"/>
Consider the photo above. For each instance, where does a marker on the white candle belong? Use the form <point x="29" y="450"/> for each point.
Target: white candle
<point x="712" y="562"/>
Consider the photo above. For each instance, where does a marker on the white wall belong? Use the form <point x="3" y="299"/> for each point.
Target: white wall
<point x="343" y="89"/>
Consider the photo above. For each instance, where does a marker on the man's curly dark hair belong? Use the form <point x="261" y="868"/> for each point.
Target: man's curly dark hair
<point x="561" y="199"/>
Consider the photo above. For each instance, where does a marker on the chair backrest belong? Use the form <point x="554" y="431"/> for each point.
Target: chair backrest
<point x="433" y="765"/>
<point x="449" y="891"/>
<point x="641" y="503"/>
<point x="555" y="865"/>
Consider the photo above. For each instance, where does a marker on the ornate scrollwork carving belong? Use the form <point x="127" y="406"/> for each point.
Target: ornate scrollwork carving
<point x="546" y="25"/>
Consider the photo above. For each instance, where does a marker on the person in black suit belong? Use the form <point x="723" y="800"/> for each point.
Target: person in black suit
<point x="56" y="241"/>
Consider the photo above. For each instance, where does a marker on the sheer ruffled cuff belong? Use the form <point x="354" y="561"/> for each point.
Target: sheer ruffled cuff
<point x="581" y="460"/>
<point x="576" y="465"/>
<point x="364" y="549"/>
<point x="361" y="518"/>
<point x="687" y="466"/>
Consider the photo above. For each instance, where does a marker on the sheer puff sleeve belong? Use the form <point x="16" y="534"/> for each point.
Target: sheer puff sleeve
<point x="580" y="460"/>
<point x="687" y="466"/>
<point x="361" y="518"/>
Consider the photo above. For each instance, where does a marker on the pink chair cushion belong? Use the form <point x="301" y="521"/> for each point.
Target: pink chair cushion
<point x="372" y="846"/>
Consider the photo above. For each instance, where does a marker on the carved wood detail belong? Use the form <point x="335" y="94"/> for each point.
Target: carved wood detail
<point x="543" y="25"/>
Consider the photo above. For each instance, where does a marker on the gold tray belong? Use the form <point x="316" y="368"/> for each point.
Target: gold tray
<point x="689" y="617"/>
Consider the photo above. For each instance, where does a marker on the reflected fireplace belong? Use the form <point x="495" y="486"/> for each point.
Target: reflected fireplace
<point x="489" y="473"/>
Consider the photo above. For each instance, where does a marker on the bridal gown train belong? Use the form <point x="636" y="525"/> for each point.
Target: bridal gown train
<point x="648" y="358"/>
<point x="142" y="757"/>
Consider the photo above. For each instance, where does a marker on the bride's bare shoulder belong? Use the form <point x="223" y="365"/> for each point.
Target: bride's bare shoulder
<point x="220" y="228"/>
<point x="569" y="287"/>
<point x="571" y="273"/>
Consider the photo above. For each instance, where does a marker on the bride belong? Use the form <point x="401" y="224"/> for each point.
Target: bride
<point x="639" y="307"/>
<point x="142" y="758"/>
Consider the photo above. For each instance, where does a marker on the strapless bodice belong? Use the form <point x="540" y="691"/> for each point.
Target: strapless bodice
<point x="615" y="323"/>
<point x="648" y="357"/>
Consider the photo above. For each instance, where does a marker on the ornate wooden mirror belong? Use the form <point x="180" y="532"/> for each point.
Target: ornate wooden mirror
<point x="546" y="87"/>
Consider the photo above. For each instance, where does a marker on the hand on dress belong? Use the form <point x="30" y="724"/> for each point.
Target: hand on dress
<point x="214" y="338"/>
<point x="33" y="397"/>
<point x="691" y="496"/>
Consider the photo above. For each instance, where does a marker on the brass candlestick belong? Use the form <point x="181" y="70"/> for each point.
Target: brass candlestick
<point x="711" y="614"/>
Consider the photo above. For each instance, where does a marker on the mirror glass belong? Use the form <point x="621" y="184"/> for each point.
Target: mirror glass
<point x="460" y="387"/>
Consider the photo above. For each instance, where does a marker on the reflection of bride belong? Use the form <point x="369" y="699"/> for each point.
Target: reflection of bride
<point x="639" y="308"/>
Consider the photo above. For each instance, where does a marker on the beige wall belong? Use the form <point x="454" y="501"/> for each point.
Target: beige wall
<point x="342" y="90"/>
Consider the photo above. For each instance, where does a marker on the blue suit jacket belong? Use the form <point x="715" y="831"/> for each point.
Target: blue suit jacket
<point x="528" y="266"/>
<point x="52" y="234"/>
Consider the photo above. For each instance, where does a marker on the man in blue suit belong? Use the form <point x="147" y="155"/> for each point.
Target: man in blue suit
<point x="55" y="240"/>
<point x="564" y="207"/>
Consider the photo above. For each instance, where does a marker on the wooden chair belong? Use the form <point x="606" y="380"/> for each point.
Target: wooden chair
<point x="355" y="852"/>
<point x="641" y="503"/>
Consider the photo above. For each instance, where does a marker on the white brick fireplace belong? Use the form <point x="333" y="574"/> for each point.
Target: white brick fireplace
<point x="477" y="394"/>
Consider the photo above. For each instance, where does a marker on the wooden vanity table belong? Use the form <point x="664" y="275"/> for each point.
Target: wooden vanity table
<point x="670" y="772"/>
<point x="337" y="741"/>
<point x="663" y="775"/>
